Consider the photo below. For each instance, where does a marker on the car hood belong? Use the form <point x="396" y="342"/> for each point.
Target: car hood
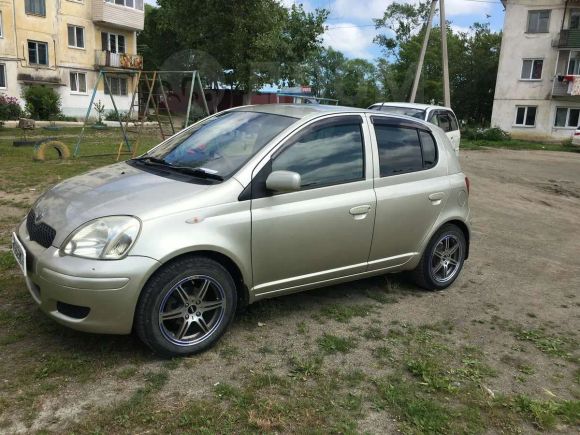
<point x="119" y="189"/>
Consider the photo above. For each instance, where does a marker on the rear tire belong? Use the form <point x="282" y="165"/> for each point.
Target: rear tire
<point x="186" y="307"/>
<point x="442" y="260"/>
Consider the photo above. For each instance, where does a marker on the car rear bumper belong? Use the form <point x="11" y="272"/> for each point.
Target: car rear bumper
<point x="86" y="295"/>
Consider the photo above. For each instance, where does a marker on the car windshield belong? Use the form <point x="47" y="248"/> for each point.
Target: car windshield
<point x="221" y="144"/>
<point x="409" y="111"/>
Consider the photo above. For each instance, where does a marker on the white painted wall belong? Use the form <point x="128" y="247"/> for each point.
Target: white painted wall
<point x="511" y="90"/>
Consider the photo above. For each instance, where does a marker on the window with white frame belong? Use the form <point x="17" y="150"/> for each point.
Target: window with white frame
<point x="2" y="76"/>
<point x="78" y="82"/>
<point x="112" y="42"/>
<point x="526" y="116"/>
<point x="135" y="4"/>
<point x="539" y="21"/>
<point x="567" y="117"/>
<point x="117" y="86"/>
<point x="532" y="69"/>
<point x="35" y="7"/>
<point x="76" y="36"/>
<point x="37" y="53"/>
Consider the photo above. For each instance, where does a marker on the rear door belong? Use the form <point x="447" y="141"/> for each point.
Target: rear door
<point x="448" y="122"/>
<point x="324" y="230"/>
<point x="412" y="188"/>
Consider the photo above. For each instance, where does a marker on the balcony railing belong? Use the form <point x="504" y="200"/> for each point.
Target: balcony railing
<point x="569" y="38"/>
<point x="119" y="60"/>
<point x="564" y="86"/>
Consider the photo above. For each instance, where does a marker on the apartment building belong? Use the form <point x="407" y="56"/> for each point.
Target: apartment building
<point x="64" y="43"/>
<point x="537" y="94"/>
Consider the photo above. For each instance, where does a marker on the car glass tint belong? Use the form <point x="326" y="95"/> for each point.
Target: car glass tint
<point x="328" y="155"/>
<point x="399" y="150"/>
<point x="222" y="144"/>
<point x="429" y="149"/>
<point x="444" y="122"/>
<point x="453" y="119"/>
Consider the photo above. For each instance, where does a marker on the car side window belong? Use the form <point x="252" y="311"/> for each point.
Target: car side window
<point x="433" y="119"/>
<point x="444" y="121"/>
<point x="453" y="119"/>
<point x="404" y="149"/>
<point x="325" y="155"/>
<point x="399" y="149"/>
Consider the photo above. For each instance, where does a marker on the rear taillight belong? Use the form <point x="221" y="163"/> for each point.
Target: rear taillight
<point x="467" y="184"/>
<point x="577" y="133"/>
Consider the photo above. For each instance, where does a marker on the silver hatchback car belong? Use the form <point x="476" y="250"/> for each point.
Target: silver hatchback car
<point x="250" y="203"/>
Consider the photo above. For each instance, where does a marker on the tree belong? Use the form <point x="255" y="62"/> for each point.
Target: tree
<point x="256" y="42"/>
<point x="473" y="62"/>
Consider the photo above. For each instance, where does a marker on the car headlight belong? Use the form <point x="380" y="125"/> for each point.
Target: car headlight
<point x="106" y="238"/>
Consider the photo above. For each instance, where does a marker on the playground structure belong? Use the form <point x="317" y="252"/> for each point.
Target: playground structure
<point x="150" y="96"/>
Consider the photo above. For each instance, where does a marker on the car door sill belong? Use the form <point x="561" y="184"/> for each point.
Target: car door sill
<point x="257" y="294"/>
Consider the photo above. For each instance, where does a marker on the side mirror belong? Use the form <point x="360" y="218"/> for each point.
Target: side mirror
<point x="283" y="181"/>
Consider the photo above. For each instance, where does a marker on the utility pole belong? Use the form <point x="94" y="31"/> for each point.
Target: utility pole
<point x="446" y="91"/>
<point x="422" y="54"/>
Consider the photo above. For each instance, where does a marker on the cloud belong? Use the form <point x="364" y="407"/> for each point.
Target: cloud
<point x="351" y="40"/>
<point x="366" y="10"/>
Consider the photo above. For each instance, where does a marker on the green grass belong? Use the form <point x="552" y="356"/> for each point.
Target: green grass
<point x="330" y="344"/>
<point x="551" y="344"/>
<point x="515" y="144"/>
<point x="344" y="313"/>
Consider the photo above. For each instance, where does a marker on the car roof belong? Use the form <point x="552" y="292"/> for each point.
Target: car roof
<point x="300" y="110"/>
<point x="417" y="106"/>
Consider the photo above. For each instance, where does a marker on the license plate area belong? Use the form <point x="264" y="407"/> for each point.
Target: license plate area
<point x="19" y="253"/>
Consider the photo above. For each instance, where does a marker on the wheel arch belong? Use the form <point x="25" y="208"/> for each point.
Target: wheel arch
<point x="464" y="229"/>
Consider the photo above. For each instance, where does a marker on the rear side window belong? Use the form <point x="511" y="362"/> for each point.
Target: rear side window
<point x="326" y="155"/>
<point x="404" y="149"/>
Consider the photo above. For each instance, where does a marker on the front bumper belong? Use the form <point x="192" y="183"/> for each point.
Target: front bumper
<point x="87" y="295"/>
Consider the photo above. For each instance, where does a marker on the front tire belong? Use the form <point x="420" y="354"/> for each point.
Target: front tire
<point x="186" y="307"/>
<point x="442" y="260"/>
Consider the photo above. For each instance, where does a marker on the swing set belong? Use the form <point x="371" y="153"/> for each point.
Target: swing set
<point x="149" y="102"/>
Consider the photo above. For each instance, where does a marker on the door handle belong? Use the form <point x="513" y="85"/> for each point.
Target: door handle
<point x="438" y="196"/>
<point x="361" y="209"/>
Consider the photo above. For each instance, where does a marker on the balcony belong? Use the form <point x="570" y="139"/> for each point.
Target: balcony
<point x="569" y="38"/>
<point x="563" y="87"/>
<point x="114" y="15"/>
<point x="106" y="59"/>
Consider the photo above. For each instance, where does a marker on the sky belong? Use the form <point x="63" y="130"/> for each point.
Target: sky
<point x="350" y="26"/>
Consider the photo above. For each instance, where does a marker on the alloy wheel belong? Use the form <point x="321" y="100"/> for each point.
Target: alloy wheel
<point x="446" y="258"/>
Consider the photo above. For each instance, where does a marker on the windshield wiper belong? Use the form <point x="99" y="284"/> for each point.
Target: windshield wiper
<point x="196" y="172"/>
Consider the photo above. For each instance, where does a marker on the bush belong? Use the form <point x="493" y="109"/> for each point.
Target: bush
<point x="9" y="108"/>
<point x="41" y="102"/>
<point x="494" y="134"/>
<point x="112" y="116"/>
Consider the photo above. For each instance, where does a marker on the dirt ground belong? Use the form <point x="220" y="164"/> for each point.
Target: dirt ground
<point x="516" y="306"/>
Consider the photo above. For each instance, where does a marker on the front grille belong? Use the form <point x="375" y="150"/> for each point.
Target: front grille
<point x="39" y="232"/>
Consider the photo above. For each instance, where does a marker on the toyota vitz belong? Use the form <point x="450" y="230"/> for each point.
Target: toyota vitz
<point x="247" y="204"/>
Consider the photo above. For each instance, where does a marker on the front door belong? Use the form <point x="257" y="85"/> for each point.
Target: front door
<point x="324" y="230"/>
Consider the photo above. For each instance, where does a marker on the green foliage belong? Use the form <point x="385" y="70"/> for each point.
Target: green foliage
<point x="114" y="116"/>
<point x="494" y="134"/>
<point x="255" y="42"/>
<point x="42" y="102"/>
<point x="473" y="62"/>
<point x="332" y="344"/>
<point x="9" y="108"/>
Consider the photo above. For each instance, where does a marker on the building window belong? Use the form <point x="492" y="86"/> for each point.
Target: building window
<point x="2" y="76"/>
<point x="575" y="19"/>
<point x="37" y="53"/>
<point x="135" y="4"/>
<point x="76" y="36"/>
<point x="526" y="116"/>
<point x="567" y="117"/>
<point x="112" y="42"/>
<point x="538" y="21"/>
<point x="532" y="69"/>
<point x="35" y="7"/>
<point x="117" y="86"/>
<point x="78" y="82"/>
<point x="1" y="26"/>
